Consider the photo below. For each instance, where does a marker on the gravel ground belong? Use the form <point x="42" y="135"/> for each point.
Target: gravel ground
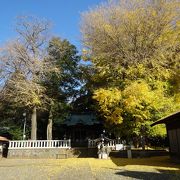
<point x="81" y="169"/>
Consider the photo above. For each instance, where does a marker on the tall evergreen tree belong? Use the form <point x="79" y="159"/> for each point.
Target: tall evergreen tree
<point x="61" y="89"/>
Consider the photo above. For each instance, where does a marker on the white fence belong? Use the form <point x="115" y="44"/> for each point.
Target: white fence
<point x="93" y="144"/>
<point x="41" y="144"/>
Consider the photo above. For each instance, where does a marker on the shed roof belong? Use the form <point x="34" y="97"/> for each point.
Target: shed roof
<point x="85" y="119"/>
<point x="3" y="138"/>
<point x="168" y="119"/>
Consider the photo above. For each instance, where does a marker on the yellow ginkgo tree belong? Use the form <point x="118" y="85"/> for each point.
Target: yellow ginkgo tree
<point x="134" y="48"/>
<point x="136" y="106"/>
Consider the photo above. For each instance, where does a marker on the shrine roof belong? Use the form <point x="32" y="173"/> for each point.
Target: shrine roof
<point x="85" y="119"/>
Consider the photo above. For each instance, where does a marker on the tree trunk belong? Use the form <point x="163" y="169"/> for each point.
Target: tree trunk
<point x="49" y="126"/>
<point x="136" y="141"/>
<point x="143" y="143"/>
<point x="34" y="124"/>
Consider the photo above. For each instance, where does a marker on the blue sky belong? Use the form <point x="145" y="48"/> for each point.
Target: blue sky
<point x="64" y="14"/>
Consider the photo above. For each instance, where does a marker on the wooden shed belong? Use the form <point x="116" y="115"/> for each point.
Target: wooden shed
<point x="173" y="132"/>
<point x="3" y="146"/>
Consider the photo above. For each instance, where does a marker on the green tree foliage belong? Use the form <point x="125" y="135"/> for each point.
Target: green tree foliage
<point x="66" y="58"/>
<point x="63" y="88"/>
<point x="12" y="121"/>
<point x="134" y="48"/>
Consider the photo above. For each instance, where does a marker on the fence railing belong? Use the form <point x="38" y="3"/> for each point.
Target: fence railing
<point x="35" y="144"/>
<point x="93" y="143"/>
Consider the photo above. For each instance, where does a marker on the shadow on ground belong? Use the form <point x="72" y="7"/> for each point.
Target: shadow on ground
<point x="166" y="175"/>
<point x="153" y="161"/>
<point x="160" y="168"/>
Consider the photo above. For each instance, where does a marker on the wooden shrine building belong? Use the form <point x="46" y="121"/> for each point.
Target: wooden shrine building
<point x="81" y="127"/>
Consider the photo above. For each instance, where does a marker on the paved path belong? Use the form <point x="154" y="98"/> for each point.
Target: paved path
<point x="80" y="169"/>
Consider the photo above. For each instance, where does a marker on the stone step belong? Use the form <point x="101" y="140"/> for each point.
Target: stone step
<point x="82" y="152"/>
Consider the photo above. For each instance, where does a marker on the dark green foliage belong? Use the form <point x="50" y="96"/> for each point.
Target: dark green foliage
<point x="66" y="58"/>
<point x="61" y="87"/>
